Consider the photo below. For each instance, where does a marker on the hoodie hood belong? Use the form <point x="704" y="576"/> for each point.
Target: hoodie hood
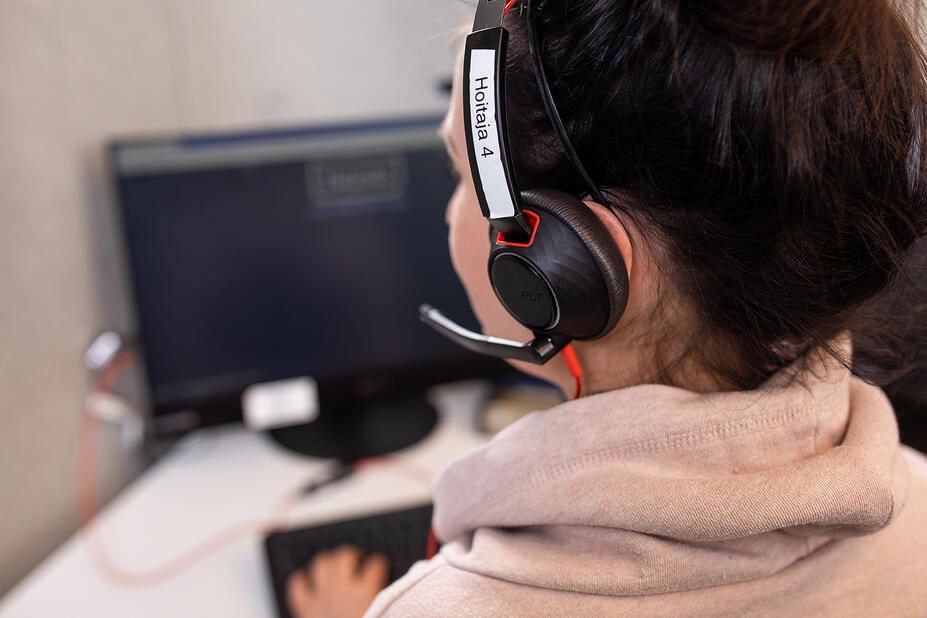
<point x="654" y="489"/>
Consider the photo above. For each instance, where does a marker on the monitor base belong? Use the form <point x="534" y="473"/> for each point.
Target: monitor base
<point x="373" y="428"/>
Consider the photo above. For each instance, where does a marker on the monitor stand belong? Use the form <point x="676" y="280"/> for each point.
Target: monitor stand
<point x="364" y="430"/>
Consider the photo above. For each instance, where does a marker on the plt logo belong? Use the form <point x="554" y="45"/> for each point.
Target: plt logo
<point x="534" y="297"/>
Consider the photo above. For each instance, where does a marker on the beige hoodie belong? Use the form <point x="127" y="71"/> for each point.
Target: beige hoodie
<point x="794" y="499"/>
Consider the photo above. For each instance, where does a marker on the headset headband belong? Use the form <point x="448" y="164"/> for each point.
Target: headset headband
<point x="484" y="117"/>
<point x="564" y="278"/>
<point x="484" y="120"/>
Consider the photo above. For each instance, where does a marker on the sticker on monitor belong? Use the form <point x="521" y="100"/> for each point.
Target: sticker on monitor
<point x="280" y="403"/>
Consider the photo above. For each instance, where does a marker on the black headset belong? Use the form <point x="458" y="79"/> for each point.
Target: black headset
<point x="553" y="265"/>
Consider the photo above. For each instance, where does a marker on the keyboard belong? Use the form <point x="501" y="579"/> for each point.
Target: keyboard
<point x="402" y="536"/>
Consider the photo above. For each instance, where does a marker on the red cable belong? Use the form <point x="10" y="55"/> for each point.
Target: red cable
<point x="508" y="5"/>
<point x="573" y="366"/>
<point x="410" y="468"/>
<point x="432" y="544"/>
<point x="87" y="501"/>
<point x="104" y="383"/>
<point x="87" y="498"/>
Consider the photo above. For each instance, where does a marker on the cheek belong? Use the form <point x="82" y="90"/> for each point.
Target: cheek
<point x="469" y="247"/>
<point x="468" y="238"/>
<point x="469" y="243"/>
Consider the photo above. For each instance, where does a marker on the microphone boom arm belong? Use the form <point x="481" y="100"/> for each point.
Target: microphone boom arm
<point x="539" y="351"/>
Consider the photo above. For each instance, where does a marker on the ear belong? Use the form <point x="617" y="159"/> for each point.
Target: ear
<point x="616" y="229"/>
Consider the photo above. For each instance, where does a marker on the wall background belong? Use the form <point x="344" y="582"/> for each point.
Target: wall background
<point x="74" y="73"/>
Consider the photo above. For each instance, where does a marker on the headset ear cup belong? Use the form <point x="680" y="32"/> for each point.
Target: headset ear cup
<point x="592" y="235"/>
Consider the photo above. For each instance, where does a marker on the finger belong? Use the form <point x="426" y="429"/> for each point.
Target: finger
<point x="299" y="595"/>
<point x="345" y="562"/>
<point x="320" y="571"/>
<point x="374" y="572"/>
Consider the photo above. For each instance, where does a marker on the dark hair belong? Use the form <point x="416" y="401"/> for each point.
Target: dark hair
<point x="772" y="147"/>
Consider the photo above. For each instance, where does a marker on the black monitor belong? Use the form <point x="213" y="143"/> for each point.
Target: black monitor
<point x="274" y="267"/>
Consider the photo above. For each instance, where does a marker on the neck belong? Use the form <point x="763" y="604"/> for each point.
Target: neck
<point x="608" y="367"/>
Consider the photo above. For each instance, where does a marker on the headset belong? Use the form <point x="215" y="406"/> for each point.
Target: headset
<point x="552" y="265"/>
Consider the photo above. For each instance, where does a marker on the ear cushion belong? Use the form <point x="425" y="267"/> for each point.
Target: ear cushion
<point x="593" y="235"/>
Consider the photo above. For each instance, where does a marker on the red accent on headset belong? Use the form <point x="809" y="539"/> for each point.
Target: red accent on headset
<point x="533" y="220"/>
<point x="432" y="544"/>
<point x="572" y="363"/>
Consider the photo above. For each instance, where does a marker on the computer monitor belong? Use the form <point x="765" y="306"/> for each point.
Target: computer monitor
<point x="293" y="259"/>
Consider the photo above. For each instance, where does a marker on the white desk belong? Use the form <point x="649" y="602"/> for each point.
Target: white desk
<point x="213" y="480"/>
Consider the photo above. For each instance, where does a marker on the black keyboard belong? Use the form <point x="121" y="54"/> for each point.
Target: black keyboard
<point x="402" y="536"/>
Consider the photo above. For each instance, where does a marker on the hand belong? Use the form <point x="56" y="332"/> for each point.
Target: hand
<point x="339" y="583"/>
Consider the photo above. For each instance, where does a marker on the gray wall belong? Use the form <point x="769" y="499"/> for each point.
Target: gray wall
<point x="76" y="72"/>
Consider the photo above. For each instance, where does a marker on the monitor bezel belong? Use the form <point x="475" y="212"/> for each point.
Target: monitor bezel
<point x="336" y="393"/>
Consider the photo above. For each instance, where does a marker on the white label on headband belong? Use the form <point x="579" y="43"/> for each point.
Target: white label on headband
<point x="484" y="130"/>
<point x="280" y="403"/>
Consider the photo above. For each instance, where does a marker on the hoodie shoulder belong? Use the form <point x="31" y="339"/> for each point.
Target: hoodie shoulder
<point x="437" y="589"/>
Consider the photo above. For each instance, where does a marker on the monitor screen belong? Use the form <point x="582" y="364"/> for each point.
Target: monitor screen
<point x="262" y="256"/>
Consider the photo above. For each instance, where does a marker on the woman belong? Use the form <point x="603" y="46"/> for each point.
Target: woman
<point x="730" y="454"/>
